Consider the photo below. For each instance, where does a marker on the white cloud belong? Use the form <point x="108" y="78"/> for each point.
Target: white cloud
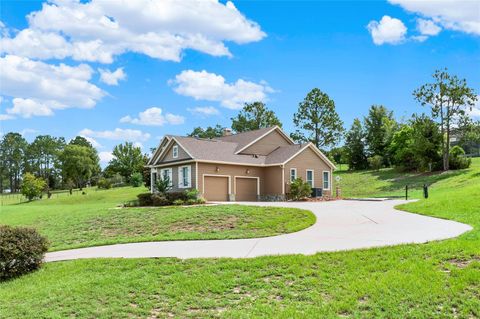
<point x="117" y="134"/>
<point x="204" y="111"/>
<point x="153" y="117"/>
<point x="105" y="157"/>
<point x="6" y="117"/>
<point x="93" y="141"/>
<point x="212" y="87"/>
<point x="458" y="15"/>
<point x="387" y="30"/>
<point x="99" y="30"/>
<point x="27" y="131"/>
<point x="475" y="111"/>
<point x="39" y="88"/>
<point x="428" y="27"/>
<point x="112" y="78"/>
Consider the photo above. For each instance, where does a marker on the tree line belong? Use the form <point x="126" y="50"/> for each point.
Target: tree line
<point x="62" y="165"/>
<point x="420" y="143"/>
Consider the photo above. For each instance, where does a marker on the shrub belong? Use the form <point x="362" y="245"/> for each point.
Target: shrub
<point x="117" y="180"/>
<point x="375" y="162"/>
<point x="32" y="187"/>
<point x="160" y="200"/>
<point x="21" y="251"/>
<point x="136" y="180"/>
<point x="163" y="185"/>
<point x="457" y="159"/>
<point x="191" y="194"/>
<point x="173" y="196"/>
<point x="191" y="201"/>
<point x="145" y="199"/>
<point x="201" y="200"/>
<point x="300" y="189"/>
<point x="104" y="183"/>
<point x="178" y="202"/>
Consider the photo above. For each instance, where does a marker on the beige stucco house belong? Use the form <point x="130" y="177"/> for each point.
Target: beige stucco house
<point x="250" y="166"/>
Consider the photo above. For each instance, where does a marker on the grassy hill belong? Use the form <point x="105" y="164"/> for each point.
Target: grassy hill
<point x="389" y="182"/>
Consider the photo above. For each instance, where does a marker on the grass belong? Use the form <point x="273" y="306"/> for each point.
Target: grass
<point x="434" y="280"/>
<point x="93" y="219"/>
<point x="388" y="182"/>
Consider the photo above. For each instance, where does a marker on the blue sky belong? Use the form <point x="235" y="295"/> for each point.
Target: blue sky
<point x="196" y="65"/>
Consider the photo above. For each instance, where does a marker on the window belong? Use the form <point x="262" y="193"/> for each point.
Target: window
<point x="293" y="174"/>
<point x="310" y="177"/>
<point x="326" y="180"/>
<point x="175" y="151"/>
<point x="184" y="177"/>
<point x="153" y="179"/>
<point x="166" y="173"/>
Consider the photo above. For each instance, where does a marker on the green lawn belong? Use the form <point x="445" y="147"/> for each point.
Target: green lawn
<point x="94" y="219"/>
<point x="434" y="280"/>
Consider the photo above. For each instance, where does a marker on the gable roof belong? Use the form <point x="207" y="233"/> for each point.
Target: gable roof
<point x="225" y="149"/>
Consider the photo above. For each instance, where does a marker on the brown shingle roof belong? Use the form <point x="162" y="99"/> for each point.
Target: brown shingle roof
<point x="243" y="139"/>
<point x="283" y="153"/>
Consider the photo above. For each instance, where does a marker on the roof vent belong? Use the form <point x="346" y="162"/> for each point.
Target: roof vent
<point x="227" y="131"/>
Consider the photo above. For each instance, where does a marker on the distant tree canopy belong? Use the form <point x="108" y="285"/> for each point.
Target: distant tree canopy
<point x="78" y="164"/>
<point x="355" y="146"/>
<point x="379" y="129"/>
<point x="254" y="116"/>
<point x="448" y="98"/>
<point x="127" y="160"/>
<point x="209" y="132"/>
<point x="317" y="121"/>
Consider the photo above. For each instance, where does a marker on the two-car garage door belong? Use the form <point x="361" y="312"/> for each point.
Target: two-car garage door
<point x="216" y="188"/>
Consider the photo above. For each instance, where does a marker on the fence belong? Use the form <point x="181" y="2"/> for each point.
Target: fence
<point x="18" y="198"/>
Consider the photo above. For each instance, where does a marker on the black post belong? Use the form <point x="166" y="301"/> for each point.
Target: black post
<point x="425" y="190"/>
<point x="406" y="192"/>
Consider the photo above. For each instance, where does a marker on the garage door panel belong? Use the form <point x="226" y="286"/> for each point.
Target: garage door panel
<point x="246" y="189"/>
<point x="216" y="188"/>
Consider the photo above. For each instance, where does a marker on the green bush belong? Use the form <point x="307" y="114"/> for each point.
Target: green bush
<point x="160" y="200"/>
<point x="191" y="201"/>
<point x="173" y="196"/>
<point x="201" y="200"/>
<point x="145" y="199"/>
<point x="136" y="180"/>
<point x="375" y="162"/>
<point x="32" y="187"/>
<point x="163" y="185"/>
<point x="178" y="202"/>
<point x="300" y="189"/>
<point x="457" y="159"/>
<point x="104" y="183"/>
<point x="191" y="194"/>
<point x="21" y="251"/>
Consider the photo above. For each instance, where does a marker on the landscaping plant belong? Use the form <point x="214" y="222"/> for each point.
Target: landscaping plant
<point x="300" y="190"/>
<point x="32" y="187"/>
<point x="21" y="251"/>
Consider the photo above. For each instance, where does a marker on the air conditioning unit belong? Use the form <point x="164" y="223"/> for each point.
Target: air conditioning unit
<point x="316" y="192"/>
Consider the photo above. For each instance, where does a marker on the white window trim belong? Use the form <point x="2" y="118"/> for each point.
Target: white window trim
<point x="170" y="174"/>
<point x="329" y="180"/>
<point x="180" y="176"/>
<point x="313" y="176"/>
<point x="175" y="151"/>
<point x="290" y="174"/>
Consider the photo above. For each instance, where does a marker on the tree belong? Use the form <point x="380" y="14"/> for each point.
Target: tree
<point x="317" y="121"/>
<point x="32" y="187"/>
<point x="209" y="132"/>
<point x="427" y="142"/>
<point x="43" y="157"/>
<point x="468" y="135"/>
<point x="127" y="159"/>
<point x="448" y="97"/>
<point x="82" y="141"/>
<point x="355" y="147"/>
<point x="13" y="150"/>
<point x="401" y="148"/>
<point x="77" y="164"/>
<point x="379" y="127"/>
<point x="254" y="116"/>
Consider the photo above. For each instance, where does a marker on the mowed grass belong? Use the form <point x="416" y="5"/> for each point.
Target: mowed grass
<point x="94" y="219"/>
<point x="435" y="280"/>
<point x="389" y="182"/>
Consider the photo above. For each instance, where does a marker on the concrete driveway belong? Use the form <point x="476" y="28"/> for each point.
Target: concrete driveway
<point x="341" y="225"/>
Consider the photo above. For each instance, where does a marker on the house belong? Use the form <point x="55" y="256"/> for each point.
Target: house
<point x="249" y="166"/>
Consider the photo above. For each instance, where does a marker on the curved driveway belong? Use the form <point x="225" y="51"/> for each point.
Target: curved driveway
<point x="341" y="225"/>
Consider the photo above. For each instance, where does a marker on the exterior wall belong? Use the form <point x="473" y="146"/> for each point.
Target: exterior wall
<point x="175" y="168"/>
<point x="308" y="159"/>
<point x="272" y="181"/>
<point x="267" y="144"/>
<point x="160" y="149"/>
<point x="232" y="171"/>
<point x="182" y="155"/>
